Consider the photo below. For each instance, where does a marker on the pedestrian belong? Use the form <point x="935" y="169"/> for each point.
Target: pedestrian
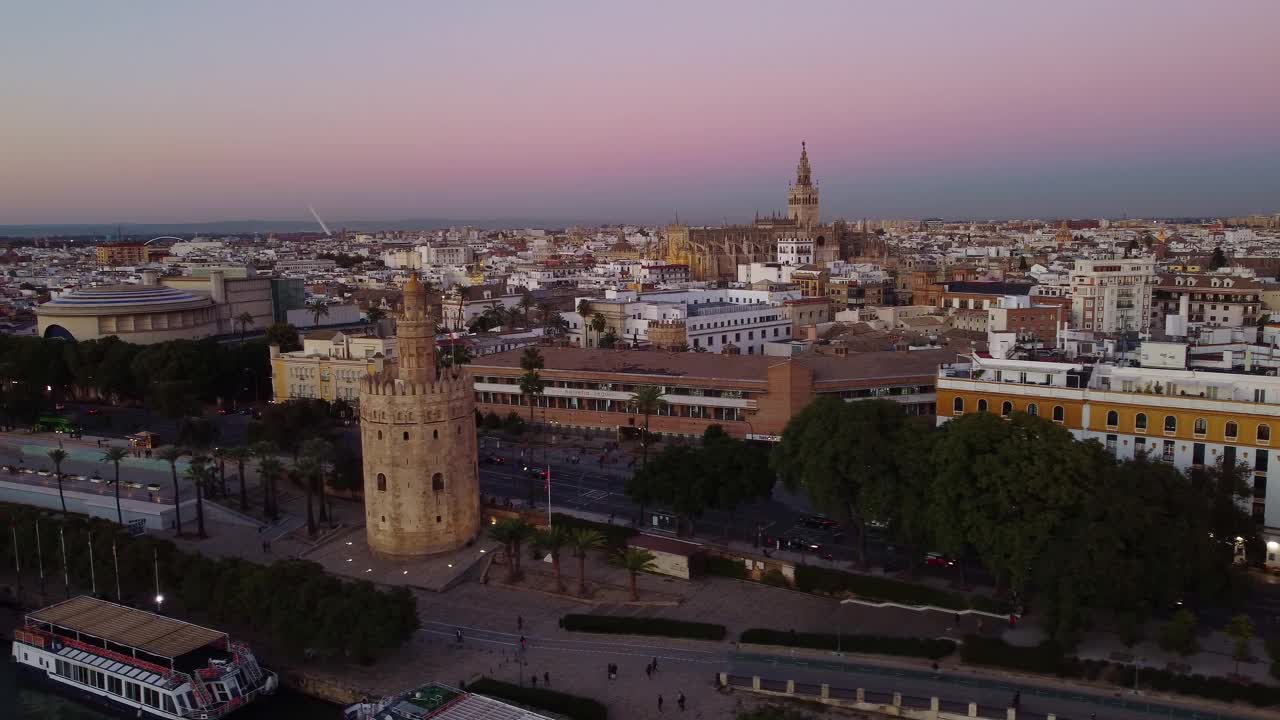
<point x="535" y="680"/>
<point x="546" y="679"/>
<point x="458" y="634"/>
<point x="519" y="622"/>
<point x="655" y="664"/>
<point x="648" y="671"/>
<point x="680" y="700"/>
<point x="659" y="703"/>
<point x="522" y="642"/>
<point x="1017" y="699"/>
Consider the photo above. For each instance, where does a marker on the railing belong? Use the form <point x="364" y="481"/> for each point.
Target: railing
<point x="164" y="672"/>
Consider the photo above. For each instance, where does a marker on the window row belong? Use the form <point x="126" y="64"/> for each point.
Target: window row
<point x="557" y="402"/>
<point x="437" y="482"/>
<point x="116" y="686"/>
<point x="1058" y="413"/>
<point x="1199" y="427"/>
<point x="435" y="434"/>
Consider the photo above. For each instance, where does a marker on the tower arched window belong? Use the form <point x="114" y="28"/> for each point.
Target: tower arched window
<point x="1201" y="427"/>
<point x="406" y="434"/>
<point x="435" y="434"/>
<point x="437" y="482"/>
<point x="1059" y="414"/>
<point x="382" y="482"/>
<point x="1033" y="409"/>
<point x="379" y="434"/>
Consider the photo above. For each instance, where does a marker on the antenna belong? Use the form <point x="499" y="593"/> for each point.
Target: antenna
<point x="316" y="215"/>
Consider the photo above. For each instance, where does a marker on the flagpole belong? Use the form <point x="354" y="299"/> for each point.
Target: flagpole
<point x="115" y="558"/>
<point x="40" y="560"/>
<point x="548" y="495"/>
<point x="93" y="576"/>
<point x="17" y="564"/>
<point x="66" y="573"/>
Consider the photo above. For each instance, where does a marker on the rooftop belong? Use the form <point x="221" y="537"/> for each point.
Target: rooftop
<point x="111" y="296"/>
<point x="155" y="634"/>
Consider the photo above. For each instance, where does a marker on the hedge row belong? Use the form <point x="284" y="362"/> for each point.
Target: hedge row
<point x="1048" y="658"/>
<point x="615" y="536"/>
<point x="617" y="625"/>
<point x="725" y="567"/>
<point x="574" y="707"/>
<point x="871" y="644"/>
<point x="811" y="578"/>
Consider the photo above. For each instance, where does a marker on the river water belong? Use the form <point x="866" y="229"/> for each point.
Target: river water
<point x="28" y="703"/>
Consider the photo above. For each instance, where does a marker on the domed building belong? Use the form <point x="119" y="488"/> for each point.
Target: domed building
<point x="418" y="437"/>
<point x="142" y="314"/>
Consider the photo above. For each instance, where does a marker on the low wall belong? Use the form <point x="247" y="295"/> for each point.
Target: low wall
<point x="892" y="704"/>
<point x="159" y="516"/>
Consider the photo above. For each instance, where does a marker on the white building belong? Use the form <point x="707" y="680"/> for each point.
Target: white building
<point x="1112" y="295"/>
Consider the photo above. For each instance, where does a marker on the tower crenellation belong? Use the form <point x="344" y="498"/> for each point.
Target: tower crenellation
<point x="418" y="436"/>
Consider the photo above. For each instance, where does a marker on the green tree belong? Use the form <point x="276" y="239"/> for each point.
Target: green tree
<point x="284" y="336"/>
<point x="609" y="340"/>
<point x="583" y="540"/>
<point x="511" y="532"/>
<point x="531" y="386"/>
<point x="114" y="455"/>
<point x="375" y="315"/>
<point x="1179" y="634"/>
<point x="1218" y="260"/>
<point x="269" y="471"/>
<point x="240" y="455"/>
<point x="58" y="455"/>
<point x="739" y="471"/>
<point x="1240" y="630"/>
<point x="634" y="561"/>
<point x="525" y="305"/>
<point x="597" y="323"/>
<point x="200" y="475"/>
<point x="244" y="320"/>
<point x="171" y="454"/>
<point x="551" y="540"/>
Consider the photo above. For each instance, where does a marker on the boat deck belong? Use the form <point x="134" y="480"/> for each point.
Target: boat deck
<point x="153" y="634"/>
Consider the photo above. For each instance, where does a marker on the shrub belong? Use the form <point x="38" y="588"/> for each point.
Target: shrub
<point x="615" y="536"/>
<point x="1044" y="658"/>
<point x="814" y="579"/>
<point x="575" y="707"/>
<point x="725" y="567"/>
<point x="775" y="578"/>
<point x="871" y="644"/>
<point x="618" y="625"/>
<point x="1179" y="634"/>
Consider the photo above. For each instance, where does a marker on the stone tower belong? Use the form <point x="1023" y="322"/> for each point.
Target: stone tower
<point x="418" y="435"/>
<point x="802" y="198"/>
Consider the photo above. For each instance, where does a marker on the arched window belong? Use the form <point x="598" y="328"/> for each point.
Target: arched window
<point x="1264" y="433"/>
<point x="1140" y="422"/>
<point x="1113" y="418"/>
<point x="1059" y="414"/>
<point x="382" y="482"/>
<point x="379" y="434"/>
<point x="437" y="482"/>
<point x="982" y="405"/>
<point x="1032" y="409"/>
<point x="1232" y="430"/>
<point x="435" y="434"/>
<point x="1170" y="424"/>
<point x="406" y="434"/>
<point x="1201" y="426"/>
<point x="957" y="406"/>
<point x="1006" y="409"/>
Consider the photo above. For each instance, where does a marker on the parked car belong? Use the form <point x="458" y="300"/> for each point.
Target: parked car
<point x="540" y="473"/>
<point x="492" y="459"/>
<point x="153" y="487"/>
<point x="817" y="522"/>
<point x="937" y="559"/>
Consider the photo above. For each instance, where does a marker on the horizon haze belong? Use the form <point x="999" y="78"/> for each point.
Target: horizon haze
<point x="156" y="113"/>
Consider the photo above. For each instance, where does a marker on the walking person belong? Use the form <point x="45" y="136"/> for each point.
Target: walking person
<point x="519" y="622"/>
<point x="546" y="679"/>
<point x="659" y="703"/>
<point x="535" y="681"/>
<point x="680" y="700"/>
<point x="522" y="642"/>
<point x="655" y="664"/>
<point x="458" y="634"/>
<point x="648" y="671"/>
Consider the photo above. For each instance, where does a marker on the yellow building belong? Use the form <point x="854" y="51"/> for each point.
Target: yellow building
<point x="329" y="366"/>
<point x="1160" y="411"/>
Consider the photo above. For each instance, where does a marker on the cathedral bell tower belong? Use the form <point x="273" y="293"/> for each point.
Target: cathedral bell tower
<point x="802" y="198"/>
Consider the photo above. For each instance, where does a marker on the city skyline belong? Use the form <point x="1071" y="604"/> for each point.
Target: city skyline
<point x="163" y="114"/>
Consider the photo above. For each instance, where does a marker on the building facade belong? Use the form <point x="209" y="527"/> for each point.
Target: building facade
<point x="329" y="366"/>
<point x="750" y="396"/>
<point x="418" y="439"/>
<point x="1215" y="301"/>
<point x="1112" y="296"/>
<point x="1168" y="414"/>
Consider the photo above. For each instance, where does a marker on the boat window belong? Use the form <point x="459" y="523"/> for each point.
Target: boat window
<point x="182" y="703"/>
<point x="133" y="692"/>
<point x="115" y="685"/>
<point x="168" y="705"/>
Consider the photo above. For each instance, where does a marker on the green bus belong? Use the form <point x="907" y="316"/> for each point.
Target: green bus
<point x="54" y="423"/>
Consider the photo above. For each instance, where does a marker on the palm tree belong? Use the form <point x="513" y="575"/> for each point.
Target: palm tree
<point x="244" y="319"/>
<point x="647" y="400"/>
<point x="525" y="305"/>
<point x="318" y="310"/>
<point x="268" y="473"/>
<point x="220" y="457"/>
<point x="584" y="311"/>
<point x="114" y="455"/>
<point x="511" y="532"/>
<point x="598" y="324"/>
<point x="303" y="470"/>
<point x="375" y="315"/>
<point x="57" y="455"/>
<point x="634" y="561"/>
<point x="531" y="386"/>
<point x="200" y="474"/>
<point x="269" y="470"/>
<point x="170" y="454"/>
<point x="240" y="455"/>
<point x="582" y="541"/>
<point x="531" y="359"/>
<point x="551" y="540"/>
<point x="321" y="453"/>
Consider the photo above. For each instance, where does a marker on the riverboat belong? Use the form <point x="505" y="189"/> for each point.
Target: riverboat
<point x="438" y="702"/>
<point x="137" y="664"/>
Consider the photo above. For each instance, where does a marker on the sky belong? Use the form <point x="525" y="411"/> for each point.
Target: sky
<point x="161" y="111"/>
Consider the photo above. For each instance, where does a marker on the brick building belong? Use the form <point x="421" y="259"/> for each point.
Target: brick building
<point x="749" y="395"/>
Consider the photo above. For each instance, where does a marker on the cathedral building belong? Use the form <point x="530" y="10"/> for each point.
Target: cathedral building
<point x="418" y="436"/>
<point x="714" y="253"/>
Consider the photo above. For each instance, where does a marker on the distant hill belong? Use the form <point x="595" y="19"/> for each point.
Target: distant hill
<point x="242" y="227"/>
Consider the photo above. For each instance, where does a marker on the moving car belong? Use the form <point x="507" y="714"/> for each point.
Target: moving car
<point x="937" y="559"/>
<point x="492" y="459"/>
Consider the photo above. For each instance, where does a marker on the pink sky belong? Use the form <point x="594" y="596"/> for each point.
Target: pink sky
<point x="156" y="112"/>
